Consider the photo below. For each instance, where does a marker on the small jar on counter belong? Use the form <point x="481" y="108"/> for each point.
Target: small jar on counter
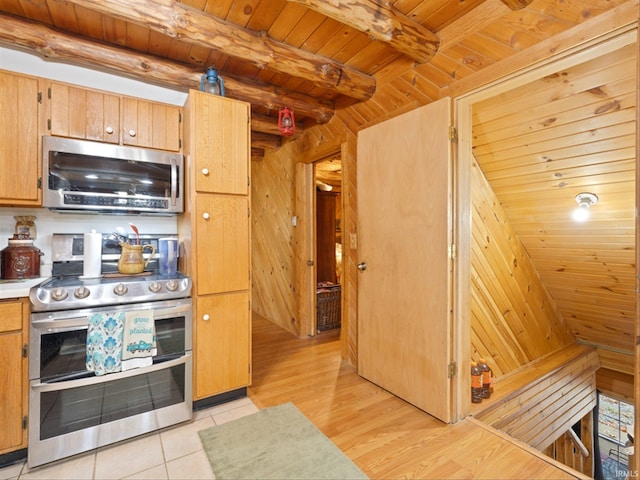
<point x="25" y="225"/>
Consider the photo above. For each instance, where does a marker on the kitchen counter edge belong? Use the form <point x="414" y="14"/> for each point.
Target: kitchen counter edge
<point x="18" y="289"/>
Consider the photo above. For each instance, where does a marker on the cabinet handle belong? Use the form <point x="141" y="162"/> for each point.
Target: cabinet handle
<point x="205" y="317"/>
<point x="205" y="215"/>
<point x="109" y="130"/>
<point x="205" y="171"/>
<point x="132" y="133"/>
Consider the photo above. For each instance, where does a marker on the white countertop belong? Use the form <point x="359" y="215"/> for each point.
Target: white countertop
<point x="18" y="288"/>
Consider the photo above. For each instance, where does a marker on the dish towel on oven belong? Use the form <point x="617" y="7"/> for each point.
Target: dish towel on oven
<point x="139" y="339"/>
<point x="104" y="342"/>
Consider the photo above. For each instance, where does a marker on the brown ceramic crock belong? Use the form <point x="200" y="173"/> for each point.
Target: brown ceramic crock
<point x="20" y="259"/>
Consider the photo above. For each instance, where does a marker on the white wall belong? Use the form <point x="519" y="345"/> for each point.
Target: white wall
<point x="29" y="64"/>
<point x="48" y="222"/>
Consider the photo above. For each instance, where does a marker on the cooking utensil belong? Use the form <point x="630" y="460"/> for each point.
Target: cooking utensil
<point x="119" y="238"/>
<point x="135" y="230"/>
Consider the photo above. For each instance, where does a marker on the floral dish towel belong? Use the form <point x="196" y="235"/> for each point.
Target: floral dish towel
<point x="104" y="342"/>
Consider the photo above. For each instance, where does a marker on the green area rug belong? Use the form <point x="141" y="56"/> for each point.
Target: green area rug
<point x="275" y="443"/>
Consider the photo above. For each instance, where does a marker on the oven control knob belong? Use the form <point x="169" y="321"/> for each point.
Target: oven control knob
<point x="155" y="287"/>
<point x="59" y="294"/>
<point x="120" y="289"/>
<point x="172" y="285"/>
<point x="81" y="292"/>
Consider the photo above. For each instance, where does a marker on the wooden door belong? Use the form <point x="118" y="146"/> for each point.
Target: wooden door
<point x="222" y="244"/>
<point x="404" y="234"/>
<point x="13" y="375"/>
<point x="222" y="347"/>
<point x="19" y="143"/>
<point x="85" y="114"/>
<point x="221" y="136"/>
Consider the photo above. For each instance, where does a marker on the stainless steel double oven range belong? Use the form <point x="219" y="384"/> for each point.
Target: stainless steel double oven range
<point x="71" y="409"/>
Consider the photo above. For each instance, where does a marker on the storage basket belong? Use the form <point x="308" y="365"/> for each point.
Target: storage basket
<point x="328" y="308"/>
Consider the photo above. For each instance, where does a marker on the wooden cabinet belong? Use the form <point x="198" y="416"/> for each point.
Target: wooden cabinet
<point x="221" y="136"/>
<point x="151" y="125"/>
<point x="14" y="332"/>
<point x="222" y="233"/>
<point x="223" y="348"/>
<point x="86" y="114"/>
<point x="216" y="233"/>
<point x="19" y="140"/>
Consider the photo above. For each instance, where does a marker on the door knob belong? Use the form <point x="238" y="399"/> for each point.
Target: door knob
<point x="362" y="266"/>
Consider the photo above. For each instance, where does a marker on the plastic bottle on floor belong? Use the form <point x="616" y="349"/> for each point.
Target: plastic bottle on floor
<point x="486" y="377"/>
<point x="476" y="383"/>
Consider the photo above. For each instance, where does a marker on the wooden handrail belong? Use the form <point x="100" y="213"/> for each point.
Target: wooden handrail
<point x="578" y="443"/>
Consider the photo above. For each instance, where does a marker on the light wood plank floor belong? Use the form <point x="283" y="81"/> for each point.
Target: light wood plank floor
<point x="385" y="436"/>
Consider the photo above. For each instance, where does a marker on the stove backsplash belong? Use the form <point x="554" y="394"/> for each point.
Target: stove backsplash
<point x="48" y="223"/>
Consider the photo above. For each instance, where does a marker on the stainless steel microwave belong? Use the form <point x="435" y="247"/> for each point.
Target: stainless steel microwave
<point x="92" y="177"/>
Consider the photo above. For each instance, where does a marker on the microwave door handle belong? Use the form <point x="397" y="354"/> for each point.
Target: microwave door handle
<point x="83" y="382"/>
<point x="174" y="181"/>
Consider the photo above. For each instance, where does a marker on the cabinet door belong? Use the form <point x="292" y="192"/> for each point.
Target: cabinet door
<point x="222" y="343"/>
<point x="13" y="377"/>
<point x="150" y="124"/>
<point x="19" y="140"/>
<point x="222" y="244"/>
<point x="85" y="114"/>
<point x="220" y="135"/>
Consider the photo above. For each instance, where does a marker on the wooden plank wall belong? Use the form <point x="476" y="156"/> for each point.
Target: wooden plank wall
<point x="615" y="384"/>
<point x="513" y="318"/>
<point x="272" y="206"/>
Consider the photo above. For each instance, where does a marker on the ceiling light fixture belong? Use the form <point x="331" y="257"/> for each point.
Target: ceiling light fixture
<point x="585" y="200"/>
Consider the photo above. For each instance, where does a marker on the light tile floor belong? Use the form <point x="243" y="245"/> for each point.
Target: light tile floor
<point x="172" y="453"/>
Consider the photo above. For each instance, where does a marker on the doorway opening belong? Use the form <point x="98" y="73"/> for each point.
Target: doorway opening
<point x="328" y="241"/>
<point x="615" y="436"/>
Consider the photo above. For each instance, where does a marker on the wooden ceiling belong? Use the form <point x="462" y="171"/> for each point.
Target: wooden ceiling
<point x="316" y="57"/>
<point x="543" y="143"/>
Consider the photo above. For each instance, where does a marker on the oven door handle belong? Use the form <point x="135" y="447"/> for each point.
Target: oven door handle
<point x="83" y="382"/>
<point x="75" y="323"/>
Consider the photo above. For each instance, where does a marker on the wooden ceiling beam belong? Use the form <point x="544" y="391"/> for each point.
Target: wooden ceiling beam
<point x="382" y="22"/>
<point x="52" y="44"/>
<point x="194" y="26"/>
<point x="265" y="141"/>
<point x="516" y="4"/>
<point x="264" y="124"/>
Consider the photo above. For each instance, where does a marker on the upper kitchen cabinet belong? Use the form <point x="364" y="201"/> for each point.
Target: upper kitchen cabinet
<point x="19" y="152"/>
<point x="220" y="133"/>
<point x="151" y="125"/>
<point x="104" y="117"/>
<point x="85" y="114"/>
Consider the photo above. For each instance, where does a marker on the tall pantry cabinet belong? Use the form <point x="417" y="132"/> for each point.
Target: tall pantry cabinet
<point x="215" y="231"/>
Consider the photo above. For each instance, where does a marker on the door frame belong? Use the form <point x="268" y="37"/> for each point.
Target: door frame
<point x="346" y="147"/>
<point x="465" y="95"/>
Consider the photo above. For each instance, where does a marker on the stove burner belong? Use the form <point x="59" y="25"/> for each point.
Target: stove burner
<point x="73" y="292"/>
